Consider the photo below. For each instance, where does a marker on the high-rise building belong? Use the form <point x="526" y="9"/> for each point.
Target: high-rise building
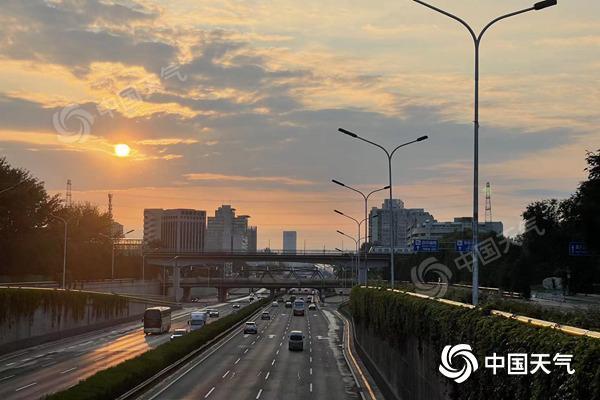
<point x="176" y="230"/>
<point x="379" y="224"/>
<point x="226" y="232"/>
<point x="289" y="241"/>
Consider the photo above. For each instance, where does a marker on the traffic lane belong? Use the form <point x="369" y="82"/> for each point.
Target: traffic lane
<point x="290" y="378"/>
<point x="252" y="373"/>
<point x="202" y="376"/>
<point x="65" y="367"/>
<point x="330" y="371"/>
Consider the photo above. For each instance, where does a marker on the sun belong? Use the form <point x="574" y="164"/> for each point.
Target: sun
<point x="122" y="150"/>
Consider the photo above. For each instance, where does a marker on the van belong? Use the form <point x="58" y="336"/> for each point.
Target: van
<point x="296" y="341"/>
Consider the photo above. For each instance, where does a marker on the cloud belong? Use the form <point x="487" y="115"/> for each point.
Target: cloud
<point x="166" y="141"/>
<point x="238" y="178"/>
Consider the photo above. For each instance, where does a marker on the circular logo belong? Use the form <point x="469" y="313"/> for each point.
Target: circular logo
<point x="431" y="266"/>
<point x="69" y="131"/>
<point x="464" y="352"/>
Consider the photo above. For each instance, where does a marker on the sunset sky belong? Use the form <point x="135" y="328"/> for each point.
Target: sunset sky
<point x="238" y="102"/>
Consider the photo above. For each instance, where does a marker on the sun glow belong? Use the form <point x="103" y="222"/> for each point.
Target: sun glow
<point x="122" y="150"/>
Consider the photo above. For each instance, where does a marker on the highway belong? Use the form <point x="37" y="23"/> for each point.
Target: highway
<point x="248" y="366"/>
<point x="36" y="371"/>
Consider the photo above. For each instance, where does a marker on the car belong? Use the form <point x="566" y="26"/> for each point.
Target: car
<point x="288" y="304"/>
<point x="265" y="315"/>
<point x="274" y="304"/>
<point x="213" y="313"/>
<point x="312" y="306"/>
<point x="296" y="341"/>
<point x="236" y="305"/>
<point x="250" y="327"/>
<point x="309" y="299"/>
<point x="177" y="333"/>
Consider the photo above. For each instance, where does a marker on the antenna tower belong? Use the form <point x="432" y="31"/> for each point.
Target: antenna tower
<point x="110" y="197"/>
<point x="488" y="203"/>
<point x="68" y="196"/>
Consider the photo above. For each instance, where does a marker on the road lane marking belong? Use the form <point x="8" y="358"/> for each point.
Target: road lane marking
<point x="253" y="343"/>
<point x="245" y="351"/>
<point x="209" y="392"/>
<point x="273" y="362"/>
<point x="9" y="364"/>
<point x="226" y="373"/>
<point x="26" y="386"/>
<point x="311" y="371"/>
<point x="49" y="364"/>
<point x="237" y="361"/>
<point x="68" y="370"/>
<point x="311" y="387"/>
<point x="6" y="377"/>
<point x="310" y="360"/>
<point x="258" y="395"/>
<point x="267" y="376"/>
<point x="277" y="352"/>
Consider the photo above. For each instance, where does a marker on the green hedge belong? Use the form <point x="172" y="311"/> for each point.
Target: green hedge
<point x="18" y="303"/>
<point x="115" y="381"/>
<point x="586" y="319"/>
<point x="394" y="316"/>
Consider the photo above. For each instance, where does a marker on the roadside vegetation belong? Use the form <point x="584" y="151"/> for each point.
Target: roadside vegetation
<point x="115" y="381"/>
<point x="396" y="318"/>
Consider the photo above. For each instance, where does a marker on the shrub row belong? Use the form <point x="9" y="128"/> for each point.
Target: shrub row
<point x="18" y="303"/>
<point x="586" y="319"/>
<point x="115" y="381"/>
<point x="394" y="316"/>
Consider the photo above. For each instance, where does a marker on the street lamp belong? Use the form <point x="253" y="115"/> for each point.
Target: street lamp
<point x="362" y="274"/>
<point x="356" y="242"/>
<point x="64" y="273"/>
<point x="389" y="158"/>
<point x="476" y="41"/>
<point x="11" y="187"/>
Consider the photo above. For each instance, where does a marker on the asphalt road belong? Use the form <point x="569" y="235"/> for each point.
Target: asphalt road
<point x="261" y="366"/>
<point x="40" y="370"/>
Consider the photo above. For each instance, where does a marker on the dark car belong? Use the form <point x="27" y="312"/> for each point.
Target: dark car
<point x="265" y="315"/>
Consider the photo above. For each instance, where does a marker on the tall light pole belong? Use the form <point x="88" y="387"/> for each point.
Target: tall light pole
<point x="11" y="187"/>
<point x="64" y="272"/>
<point x="389" y="158"/>
<point x="356" y="242"/>
<point x="477" y="41"/>
<point x="362" y="274"/>
<point x="358" y="223"/>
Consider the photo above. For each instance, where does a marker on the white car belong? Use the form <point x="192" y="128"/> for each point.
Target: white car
<point x="177" y="333"/>
<point x="274" y="304"/>
<point x="250" y="327"/>
<point x="213" y="313"/>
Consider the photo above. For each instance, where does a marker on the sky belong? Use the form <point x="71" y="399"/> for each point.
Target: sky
<point x="239" y="102"/>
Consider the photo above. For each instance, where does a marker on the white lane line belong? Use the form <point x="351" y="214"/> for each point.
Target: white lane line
<point x="253" y="343"/>
<point x="311" y="371"/>
<point x="6" y="377"/>
<point x="267" y="376"/>
<point x="273" y="362"/>
<point x="310" y="359"/>
<point x="209" y="392"/>
<point x="236" y="361"/>
<point x="258" y="395"/>
<point x="277" y="352"/>
<point x="68" y="370"/>
<point x="9" y="364"/>
<point x="26" y="386"/>
<point x="226" y="373"/>
<point x="49" y="364"/>
<point x="311" y="387"/>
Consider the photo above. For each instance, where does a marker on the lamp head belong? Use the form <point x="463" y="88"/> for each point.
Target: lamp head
<point x="337" y="182"/>
<point x="347" y="132"/>
<point x="422" y="138"/>
<point x="545" y="4"/>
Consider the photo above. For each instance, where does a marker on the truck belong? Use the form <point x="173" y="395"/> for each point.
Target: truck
<point x="197" y="320"/>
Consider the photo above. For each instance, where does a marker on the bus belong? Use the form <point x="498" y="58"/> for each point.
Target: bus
<point x="157" y="320"/>
<point x="298" y="307"/>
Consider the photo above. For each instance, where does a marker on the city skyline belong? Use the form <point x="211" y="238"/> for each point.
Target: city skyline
<point x="236" y="107"/>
